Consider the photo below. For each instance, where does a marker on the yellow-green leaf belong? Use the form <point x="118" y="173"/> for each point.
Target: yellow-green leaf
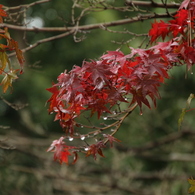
<point x="192" y="187"/>
<point x="181" y="117"/>
<point x="4" y="60"/>
<point x="7" y="80"/>
<point x="189" y="100"/>
<point x="183" y="112"/>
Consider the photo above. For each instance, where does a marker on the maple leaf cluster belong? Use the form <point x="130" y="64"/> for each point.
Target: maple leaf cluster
<point x="98" y="86"/>
<point x="6" y="69"/>
<point x="180" y="29"/>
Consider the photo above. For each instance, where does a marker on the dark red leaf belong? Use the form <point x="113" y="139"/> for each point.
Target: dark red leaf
<point x="2" y="12"/>
<point x="95" y="149"/>
<point x="111" y="139"/>
<point x="61" y="151"/>
<point x="159" y="29"/>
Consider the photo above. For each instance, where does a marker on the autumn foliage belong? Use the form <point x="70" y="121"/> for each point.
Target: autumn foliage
<point x="8" y="45"/>
<point x="100" y="87"/>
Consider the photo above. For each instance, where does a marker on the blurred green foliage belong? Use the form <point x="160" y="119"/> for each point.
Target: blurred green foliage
<point x="28" y="169"/>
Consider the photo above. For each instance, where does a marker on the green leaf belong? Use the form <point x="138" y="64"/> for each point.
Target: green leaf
<point x="184" y="110"/>
<point x="181" y="118"/>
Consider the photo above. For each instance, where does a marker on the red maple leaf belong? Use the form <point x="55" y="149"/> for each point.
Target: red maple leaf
<point x="70" y="86"/>
<point x="61" y="151"/>
<point x="13" y="45"/>
<point x="95" y="149"/>
<point x="111" y="139"/>
<point x="189" y="54"/>
<point x="166" y="51"/>
<point x="179" y="23"/>
<point x="159" y="29"/>
<point x="184" y="4"/>
<point x="98" y="72"/>
<point x="99" y="106"/>
<point x="53" y="101"/>
<point x="115" y="56"/>
<point x="2" y="13"/>
<point x="181" y="17"/>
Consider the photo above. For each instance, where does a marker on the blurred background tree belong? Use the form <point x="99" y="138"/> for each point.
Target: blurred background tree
<point x="154" y="157"/>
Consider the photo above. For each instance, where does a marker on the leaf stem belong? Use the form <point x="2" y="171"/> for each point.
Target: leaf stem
<point x="120" y="121"/>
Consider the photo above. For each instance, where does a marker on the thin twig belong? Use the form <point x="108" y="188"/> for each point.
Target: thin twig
<point x="44" y="41"/>
<point x="160" y="142"/>
<point x="89" y="26"/>
<point x="24" y="5"/>
<point x="151" y="4"/>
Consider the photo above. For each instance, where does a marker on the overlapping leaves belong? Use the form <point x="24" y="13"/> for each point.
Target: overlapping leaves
<point x="99" y="85"/>
<point x="6" y="69"/>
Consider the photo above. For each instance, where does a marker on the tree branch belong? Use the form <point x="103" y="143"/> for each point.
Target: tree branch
<point x="161" y="141"/>
<point x="25" y="5"/>
<point x="151" y="4"/>
<point x="44" y="41"/>
<point x="182" y="157"/>
<point x="90" y="26"/>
